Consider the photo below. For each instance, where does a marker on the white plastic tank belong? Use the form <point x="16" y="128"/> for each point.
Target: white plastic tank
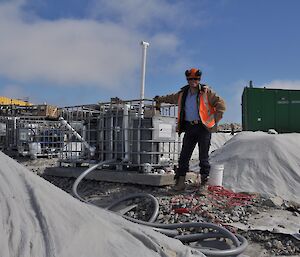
<point x="34" y="149"/>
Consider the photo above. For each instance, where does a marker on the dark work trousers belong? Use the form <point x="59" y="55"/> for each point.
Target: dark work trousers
<point x="194" y="134"/>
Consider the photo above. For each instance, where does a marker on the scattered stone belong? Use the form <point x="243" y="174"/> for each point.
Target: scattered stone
<point x="235" y="219"/>
<point x="268" y="245"/>
<point x="277" y="244"/>
<point x="201" y="208"/>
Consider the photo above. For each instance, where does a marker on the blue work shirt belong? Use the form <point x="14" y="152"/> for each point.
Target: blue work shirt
<point x="191" y="107"/>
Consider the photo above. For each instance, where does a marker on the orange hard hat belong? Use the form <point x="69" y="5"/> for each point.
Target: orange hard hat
<point x="193" y="73"/>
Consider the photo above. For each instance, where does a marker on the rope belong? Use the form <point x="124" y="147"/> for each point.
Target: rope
<point x="230" y="198"/>
<point x="218" y="196"/>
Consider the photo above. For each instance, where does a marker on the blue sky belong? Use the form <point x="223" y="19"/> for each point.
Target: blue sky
<point x="72" y="52"/>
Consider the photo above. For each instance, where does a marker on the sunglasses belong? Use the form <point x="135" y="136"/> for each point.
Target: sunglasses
<point x="193" y="79"/>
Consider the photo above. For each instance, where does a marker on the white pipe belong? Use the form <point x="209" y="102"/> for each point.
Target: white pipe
<point x="144" y="56"/>
<point x="74" y="132"/>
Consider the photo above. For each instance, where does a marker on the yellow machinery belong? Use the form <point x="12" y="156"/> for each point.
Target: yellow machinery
<point x="10" y="101"/>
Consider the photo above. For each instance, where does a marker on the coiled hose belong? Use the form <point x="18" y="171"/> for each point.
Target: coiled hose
<point x="239" y="242"/>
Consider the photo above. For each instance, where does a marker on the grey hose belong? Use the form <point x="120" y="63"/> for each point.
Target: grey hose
<point x="230" y="252"/>
<point x="82" y="175"/>
<point x="198" y="236"/>
<point x="85" y="173"/>
<point x="238" y="241"/>
<point x="139" y="195"/>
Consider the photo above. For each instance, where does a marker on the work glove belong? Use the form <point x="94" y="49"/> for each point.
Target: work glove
<point x="157" y="102"/>
<point x="156" y="98"/>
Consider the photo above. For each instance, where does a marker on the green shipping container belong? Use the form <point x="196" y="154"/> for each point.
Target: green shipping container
<point x="265" y="108"/>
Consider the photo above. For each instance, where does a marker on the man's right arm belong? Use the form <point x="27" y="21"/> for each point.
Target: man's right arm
<point x="169" y="99"/>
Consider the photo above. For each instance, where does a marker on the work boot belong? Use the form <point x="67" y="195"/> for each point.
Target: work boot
<point x="180" y="185"/>
<point x="204" y="180"/>
<point x="203" y="184"/>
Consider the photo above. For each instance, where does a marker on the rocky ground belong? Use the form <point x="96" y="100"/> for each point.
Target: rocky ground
<point x="228" y="126"/>
<point x="211" y="205"/>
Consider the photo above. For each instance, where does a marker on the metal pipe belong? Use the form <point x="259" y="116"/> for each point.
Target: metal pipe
<point x="76" y="134"/>
<point x="125" y="129"/>
<point x="111" y="134"/>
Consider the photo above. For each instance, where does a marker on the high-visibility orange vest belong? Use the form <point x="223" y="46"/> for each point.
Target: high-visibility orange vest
<point x="206" y="111"/>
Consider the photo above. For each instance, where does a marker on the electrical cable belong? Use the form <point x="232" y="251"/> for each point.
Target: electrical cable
<point x="239" y="242"/>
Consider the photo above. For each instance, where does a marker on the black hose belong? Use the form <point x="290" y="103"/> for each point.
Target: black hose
<point x="239" y="242"/>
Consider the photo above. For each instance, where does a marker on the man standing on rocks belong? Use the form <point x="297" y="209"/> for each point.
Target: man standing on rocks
<point x="199" y="111"/>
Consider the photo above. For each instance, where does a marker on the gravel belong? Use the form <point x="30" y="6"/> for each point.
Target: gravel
<point x="189" y="206"/>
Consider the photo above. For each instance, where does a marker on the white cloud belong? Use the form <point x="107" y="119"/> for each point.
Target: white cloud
<point x="165" y="43"/>
<point x="67" y="51"/>
<point x="142" y="14"/>
<point x="282" y="84"/>
<point x="76" y="52"/>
